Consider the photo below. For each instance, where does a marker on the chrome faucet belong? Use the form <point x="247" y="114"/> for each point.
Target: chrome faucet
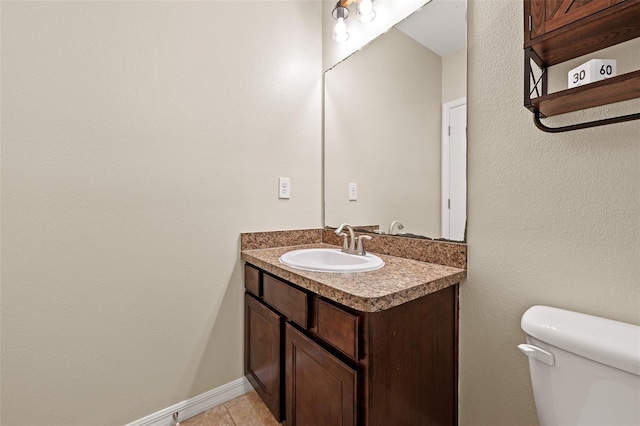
<point x="393" y="224"/>
<point x="349" y="242"/>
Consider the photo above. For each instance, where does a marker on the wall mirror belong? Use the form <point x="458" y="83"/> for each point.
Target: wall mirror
<point x="395" y="129"/>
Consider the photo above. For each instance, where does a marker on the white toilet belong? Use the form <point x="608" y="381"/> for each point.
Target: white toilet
<point x="585" y="370"/>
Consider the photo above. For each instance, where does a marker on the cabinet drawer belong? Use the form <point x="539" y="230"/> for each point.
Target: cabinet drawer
<point x="290" y="301"/>
<point x="252" y="280"/>
<point x="338" y="327"/>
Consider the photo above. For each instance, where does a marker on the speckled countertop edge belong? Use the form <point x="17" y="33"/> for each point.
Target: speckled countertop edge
<point x="399" y="281"/>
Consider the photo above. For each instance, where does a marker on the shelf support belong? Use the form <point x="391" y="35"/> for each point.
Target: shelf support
<point x="537" y="115"/>
<point x="539" y="84"/>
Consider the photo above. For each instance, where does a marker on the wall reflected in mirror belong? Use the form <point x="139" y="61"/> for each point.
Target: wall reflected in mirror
<point x="385" y="110"/>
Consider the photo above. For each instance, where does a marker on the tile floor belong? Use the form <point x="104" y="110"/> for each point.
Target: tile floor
<point x="245" y="410"/>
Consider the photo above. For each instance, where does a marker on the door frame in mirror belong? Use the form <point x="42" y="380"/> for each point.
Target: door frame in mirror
<point x="446" y="204"/>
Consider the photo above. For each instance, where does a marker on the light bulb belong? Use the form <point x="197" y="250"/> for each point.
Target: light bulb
<point x="340" y="32"/>
<point x="365" y="11"/>
<point x="366" y="6"/>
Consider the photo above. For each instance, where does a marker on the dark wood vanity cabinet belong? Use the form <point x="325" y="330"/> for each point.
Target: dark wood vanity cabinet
<point x="315" y="362"/>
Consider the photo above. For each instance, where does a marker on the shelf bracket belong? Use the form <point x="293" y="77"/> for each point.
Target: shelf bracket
<point x="586" y="125"/>
<point x="539" y="83"/>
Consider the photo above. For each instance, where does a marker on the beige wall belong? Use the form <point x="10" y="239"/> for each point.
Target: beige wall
<point x="382" y="131"/>
<point x="454" y="76"/>
<point x="553" y="219"/>
<point x="138" y="140"/>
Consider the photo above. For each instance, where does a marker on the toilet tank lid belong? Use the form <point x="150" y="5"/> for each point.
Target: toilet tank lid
<point x="603" y="340"/>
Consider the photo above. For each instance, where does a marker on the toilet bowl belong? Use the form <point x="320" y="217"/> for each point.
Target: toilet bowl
<point x="585" y="370"/>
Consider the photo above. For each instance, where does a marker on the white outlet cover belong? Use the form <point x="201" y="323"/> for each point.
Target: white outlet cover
<point x="353" y="192"/>
<point x="284" y="188"/>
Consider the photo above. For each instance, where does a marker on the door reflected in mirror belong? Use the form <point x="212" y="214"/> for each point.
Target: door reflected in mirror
<point x="395" y="128"/>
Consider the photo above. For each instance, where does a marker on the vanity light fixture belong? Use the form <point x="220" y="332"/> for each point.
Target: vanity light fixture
<point x="340" y="14"/>
<point x="365" y="11"/>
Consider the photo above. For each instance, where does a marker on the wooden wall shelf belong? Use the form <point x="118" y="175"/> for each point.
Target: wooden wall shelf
<point x="616" y="89"/>
<point x="556" y="31"/>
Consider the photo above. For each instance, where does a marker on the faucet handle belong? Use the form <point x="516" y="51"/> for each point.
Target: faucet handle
<point x="361" y="251"/>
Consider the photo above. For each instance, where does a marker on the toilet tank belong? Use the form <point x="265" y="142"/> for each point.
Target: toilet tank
<point x="585" y="370"/>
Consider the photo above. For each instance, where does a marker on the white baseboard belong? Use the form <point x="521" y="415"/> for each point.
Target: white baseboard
<point x="197" y="404"/>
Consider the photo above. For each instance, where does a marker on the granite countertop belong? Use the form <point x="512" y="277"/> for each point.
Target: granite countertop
<point x="400" y="280"/>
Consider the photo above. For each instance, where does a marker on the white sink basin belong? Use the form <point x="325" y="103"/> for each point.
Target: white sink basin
<point x="330" y="260"/>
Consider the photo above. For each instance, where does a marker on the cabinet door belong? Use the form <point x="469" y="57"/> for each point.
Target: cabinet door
<point x="549" y="15"/>
<point x="262" y="361"/>
<point x="320" y="389"/>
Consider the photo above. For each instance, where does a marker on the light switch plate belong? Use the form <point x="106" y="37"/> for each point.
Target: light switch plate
<point x="353" y="192"/>
<point x="284" y="188"/>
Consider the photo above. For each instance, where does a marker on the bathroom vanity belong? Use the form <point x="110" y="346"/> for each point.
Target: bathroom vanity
<point x="373" y="348"/>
